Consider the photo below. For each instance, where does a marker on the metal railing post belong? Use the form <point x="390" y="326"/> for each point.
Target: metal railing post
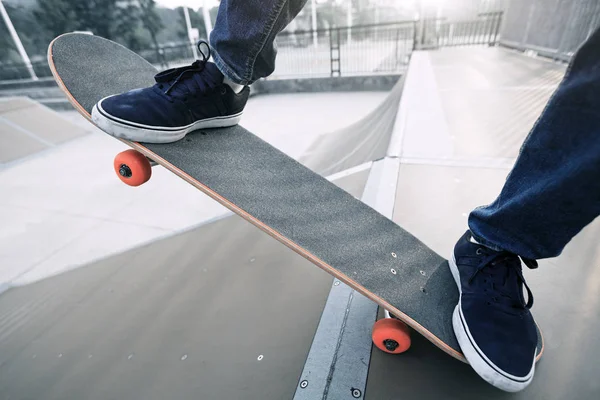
<point x="498" y="24"/>
<point x="528" y="26"/>
<point x="334" y="45"/>
<point x="339" y="49"/>
<point x="17" y="40"/>
<point x="414" y="35"/>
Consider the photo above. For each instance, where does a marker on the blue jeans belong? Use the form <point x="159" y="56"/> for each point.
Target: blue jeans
<point x="553" y="190"/>
<point x="244" y="35"/>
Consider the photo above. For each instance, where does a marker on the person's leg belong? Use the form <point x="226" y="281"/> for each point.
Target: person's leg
<point x="553" y="190"/>
<point x="244" y="34"/>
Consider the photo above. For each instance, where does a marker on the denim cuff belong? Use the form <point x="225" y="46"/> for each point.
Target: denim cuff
<point x="225" y="70"/>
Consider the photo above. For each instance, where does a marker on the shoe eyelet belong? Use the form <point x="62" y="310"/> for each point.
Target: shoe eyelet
<point x="479" y="251"/>
<point x="223" y="90"/>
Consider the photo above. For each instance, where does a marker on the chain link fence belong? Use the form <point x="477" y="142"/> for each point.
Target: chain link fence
<point x="367" y="49"/>
<point x="441" y="33"/>
<point x="337" y="51"/>
<point x="18" y="71"/>
<point x="552" y="28"/>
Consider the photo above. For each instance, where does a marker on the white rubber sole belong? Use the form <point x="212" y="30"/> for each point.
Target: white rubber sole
<point x="485" y="368"/>
<point x="154" y="134"/>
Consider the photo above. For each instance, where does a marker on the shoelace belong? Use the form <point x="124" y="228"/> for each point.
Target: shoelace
<point x="189" y="75"/>
<point x="493" y="258"/>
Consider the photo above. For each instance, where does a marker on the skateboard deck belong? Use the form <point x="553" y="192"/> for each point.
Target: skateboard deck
<point x="293" y="204"/>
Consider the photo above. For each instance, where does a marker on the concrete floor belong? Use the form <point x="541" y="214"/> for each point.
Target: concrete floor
<point x="67" y="201"/>
<point x="192" y="315"/>
<point x="23" y="136"/>
<point x="220" y="312"/>
<point x="496" y="97"/>
<point x="565" y="290"/>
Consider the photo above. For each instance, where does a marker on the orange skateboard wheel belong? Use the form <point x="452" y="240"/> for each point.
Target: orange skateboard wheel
<point x="132" y="167"/>
<point x="391" y="335"/>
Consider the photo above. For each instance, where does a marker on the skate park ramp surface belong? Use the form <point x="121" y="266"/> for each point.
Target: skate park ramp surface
<point x="490" y="99"/>
<point x="53" y="221"/>
<point x="223" y="311"/>
<point x="220" y="311"/>
<point x="363" y="141"/>
<point x="27" y="127"/>
<point x="477" y="110"/>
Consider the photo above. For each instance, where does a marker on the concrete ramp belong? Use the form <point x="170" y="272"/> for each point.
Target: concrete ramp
<point x="467" y="112"/>
<point x="52" y="222"/>
<point x="361" y="142"/>
<point x="223" y="311"/>
<point x="27" y="127"/>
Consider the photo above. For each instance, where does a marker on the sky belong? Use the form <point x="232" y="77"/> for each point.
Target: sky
<point x="194" y="4"/>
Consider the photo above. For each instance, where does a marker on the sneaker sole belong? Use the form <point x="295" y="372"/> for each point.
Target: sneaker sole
<point x="479" y="362"/>
<point x="151" y="134"/>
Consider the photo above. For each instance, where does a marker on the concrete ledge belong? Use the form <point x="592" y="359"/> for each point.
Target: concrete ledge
<point x="325" y="84"/>
<point x="328" y="84"/>
<point x="47" y="92"/>
<point x="541" y="51"/>
<point x="57" y="104"/>
<point x="35" y="93"/>
<point x="421" y="127"/>
<point x="27" y="83"/>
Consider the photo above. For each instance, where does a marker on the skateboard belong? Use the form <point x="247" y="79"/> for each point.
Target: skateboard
<point x="293" y="204"/>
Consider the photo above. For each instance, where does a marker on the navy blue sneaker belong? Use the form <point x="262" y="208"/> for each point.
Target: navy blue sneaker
<point x="492" y="321"/>
<point x="182" y="100"/>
